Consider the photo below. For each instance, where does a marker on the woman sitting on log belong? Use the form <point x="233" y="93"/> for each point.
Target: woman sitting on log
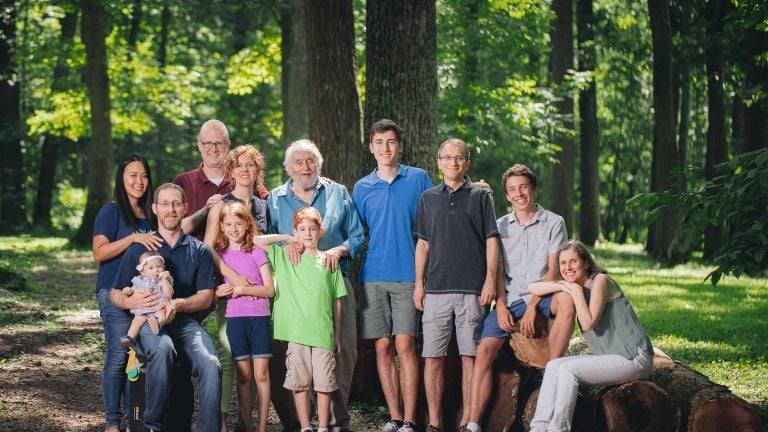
<point x="610" y="327"/>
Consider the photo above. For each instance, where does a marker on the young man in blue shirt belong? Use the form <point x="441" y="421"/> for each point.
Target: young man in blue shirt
<point x="386" y="201"/>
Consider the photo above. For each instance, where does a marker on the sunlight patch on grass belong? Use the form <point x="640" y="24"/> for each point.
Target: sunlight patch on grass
<point x="29" y="243"/>
<point x="745" y="378"/>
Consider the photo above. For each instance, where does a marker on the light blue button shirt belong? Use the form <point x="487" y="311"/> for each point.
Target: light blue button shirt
<point x="341" y="225"/>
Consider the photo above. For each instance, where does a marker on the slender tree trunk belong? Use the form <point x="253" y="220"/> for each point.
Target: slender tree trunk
<point x="756" y="113"/>
<point x="685" y="118"/>
<point x="664" y="145"/>
<point x="333" y="97"/>
<point x="135" y="26"/>
<point x="12" y="186"/>
<point x="100" y="150"/>
<point x="589" y="226"/>
<point x="294" y="71"/>
<point x="401" y="75"/>
<point x="165" y="23"/>
<point x="717" y="145"/>
<point x="53" y="143"/>
<point x="561" y="184"/>
<point x="737" y="124"/>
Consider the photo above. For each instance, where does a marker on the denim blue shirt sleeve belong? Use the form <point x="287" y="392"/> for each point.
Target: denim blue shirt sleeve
<point x="341" y="224"/>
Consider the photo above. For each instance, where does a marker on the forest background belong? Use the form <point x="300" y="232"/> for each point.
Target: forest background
<point x="647" y="122"/>
<point x="632" y="113"/>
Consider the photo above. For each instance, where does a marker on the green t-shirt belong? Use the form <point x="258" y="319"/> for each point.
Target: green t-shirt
<point x="304" y="295"/>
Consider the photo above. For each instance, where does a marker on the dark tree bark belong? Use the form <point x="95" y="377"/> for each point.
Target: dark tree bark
<point x="589" y="221"/>
<point x="401" y="76"/>
<point x="135" y="25"/>
<point x="737" y="124"/>
<point x="665" y="156"/>
<point x="165" y="23"/>
<point x="685" y="117"/>
<point x="51" y="143"/>
<point x="12" y="186"/>
<point x="333" y="97"/>
<point x="560" y="190"/>
<point x="717" y="145"/>
<point x="756" y="113"/>
<point x="294" y="71"/>
<point x="100" y="149"/>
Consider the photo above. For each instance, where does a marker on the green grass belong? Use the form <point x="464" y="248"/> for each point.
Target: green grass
<point x="719" y="331"/>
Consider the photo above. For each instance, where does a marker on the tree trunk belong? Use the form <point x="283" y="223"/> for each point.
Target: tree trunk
<point x="46" y="175"/>
<point x="589" y="219"/>
<point x="294" y="70"/>
<point x="717" y="144"/>
<point x="100" y="149"/>
<point x="737" y="124"/>
<point x="756" y="113"/>
<point x="165" y="23"/>
<point x="135" y="26"/>
<point x="12" y="185"/>
<point x="333" y="98"/>
<point x="636" y="406"/>
<point x="685" y="118"/>
<point x="561" y="181"/>
<point x="665" y="157"/>
<point x="704" y="405"/>
<point x="401" y="76"/>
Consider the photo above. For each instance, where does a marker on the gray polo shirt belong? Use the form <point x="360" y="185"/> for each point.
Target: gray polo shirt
<point x="525" y="249"/>
<point x="456" y="223"/>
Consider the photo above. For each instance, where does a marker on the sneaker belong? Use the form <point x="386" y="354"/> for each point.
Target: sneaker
<point x="431" y="428"/>
<point x="391" y="426"/>
<point x="407" y="427"/>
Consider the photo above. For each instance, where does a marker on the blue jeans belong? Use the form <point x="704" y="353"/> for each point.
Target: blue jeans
<point x="190" y="339"/>
<point x="113" y="381"/>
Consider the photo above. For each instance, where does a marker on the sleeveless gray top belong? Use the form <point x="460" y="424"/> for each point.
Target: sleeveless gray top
<point x="619" y="331"/>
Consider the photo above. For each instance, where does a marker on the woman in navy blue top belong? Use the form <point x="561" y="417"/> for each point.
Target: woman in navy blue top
<point x="119" y="224"/>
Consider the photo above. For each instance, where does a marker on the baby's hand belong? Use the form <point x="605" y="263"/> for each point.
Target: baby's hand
<point x="128" y="291"/>
<point x="165" y="275"/>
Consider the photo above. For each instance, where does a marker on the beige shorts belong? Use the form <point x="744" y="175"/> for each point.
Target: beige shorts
<point x="306" y="365"/>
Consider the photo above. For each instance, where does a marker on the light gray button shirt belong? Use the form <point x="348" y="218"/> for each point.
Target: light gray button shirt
<point x="526" y="249"/>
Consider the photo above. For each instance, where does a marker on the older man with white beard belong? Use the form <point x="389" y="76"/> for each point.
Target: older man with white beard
<point x="342" y="241"/>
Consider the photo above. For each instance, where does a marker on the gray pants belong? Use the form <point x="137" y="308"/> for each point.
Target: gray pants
<point x="345" y="361"/>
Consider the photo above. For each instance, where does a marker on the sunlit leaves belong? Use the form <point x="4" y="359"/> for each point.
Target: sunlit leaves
<point x="255" y="65"/>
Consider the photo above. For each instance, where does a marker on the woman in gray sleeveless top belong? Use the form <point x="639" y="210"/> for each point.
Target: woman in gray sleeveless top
<point x="621" y="348"/>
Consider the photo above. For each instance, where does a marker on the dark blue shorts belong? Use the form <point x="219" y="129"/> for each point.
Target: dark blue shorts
<point x="517" y="309"/>
<point x="249" y="337"/>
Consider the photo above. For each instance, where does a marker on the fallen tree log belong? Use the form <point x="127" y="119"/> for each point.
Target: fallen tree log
<point x="704" y="405"/>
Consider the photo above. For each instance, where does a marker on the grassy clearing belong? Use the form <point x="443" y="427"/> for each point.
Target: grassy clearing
<point x="719" y="331"/>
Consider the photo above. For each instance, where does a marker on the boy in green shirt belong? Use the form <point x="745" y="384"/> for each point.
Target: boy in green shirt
<point x="307" y="314"/>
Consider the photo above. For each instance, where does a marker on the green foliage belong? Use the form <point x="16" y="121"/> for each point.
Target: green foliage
<point x="737" y="198"/>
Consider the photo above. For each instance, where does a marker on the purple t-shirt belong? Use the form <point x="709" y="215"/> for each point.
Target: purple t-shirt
<point x="247" y="264"/>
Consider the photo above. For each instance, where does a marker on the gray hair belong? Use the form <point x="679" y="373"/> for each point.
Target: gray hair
<point x="214" y="124"/>
<point x="303" y="145"/>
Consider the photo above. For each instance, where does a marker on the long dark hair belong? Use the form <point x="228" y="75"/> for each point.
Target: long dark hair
<point x="121" y="196"/>
<point x="583" y="253"/>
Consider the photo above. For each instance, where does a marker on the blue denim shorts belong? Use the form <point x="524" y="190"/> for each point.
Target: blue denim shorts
<point x="249" y="337"/>
<point x="517" y="309"/>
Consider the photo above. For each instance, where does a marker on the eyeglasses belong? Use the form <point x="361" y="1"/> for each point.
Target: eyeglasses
<point x="448" y="158"/>
<point x="168" y="204"/>
<point x="208" y="144"/>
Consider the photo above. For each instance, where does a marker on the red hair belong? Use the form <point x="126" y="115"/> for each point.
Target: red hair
<point x="309" y="213"/>
<point x="236" y="208"/>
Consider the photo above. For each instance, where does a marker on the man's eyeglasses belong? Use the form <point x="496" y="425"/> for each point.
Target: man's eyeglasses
<point x="210" y="144"/>
<point x="169" y="204"/>
<point x="458" y="159"/>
